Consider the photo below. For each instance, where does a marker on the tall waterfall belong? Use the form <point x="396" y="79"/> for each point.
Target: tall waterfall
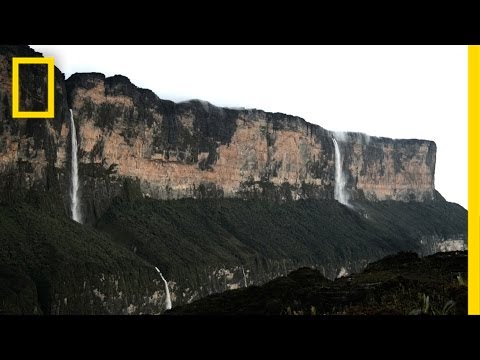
<point x="340" y="193"/>
<point x="74" y="190"/>
<point x="168" y="301"/>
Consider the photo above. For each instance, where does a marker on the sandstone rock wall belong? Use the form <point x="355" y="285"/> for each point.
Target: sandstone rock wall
<point x="191" y="149"/>
<point x="194" y="149"/>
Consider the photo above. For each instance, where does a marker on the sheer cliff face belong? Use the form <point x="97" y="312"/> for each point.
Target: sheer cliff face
<point x="197" y="150"/>
<point x="28" y="148"/>
<point x="192" y="149"/>
<point x="387" y="169"/>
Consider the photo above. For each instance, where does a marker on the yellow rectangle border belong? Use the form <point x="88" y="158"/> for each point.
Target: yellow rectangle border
<point x="49" y="113"/>
<point x="473" y="180"/>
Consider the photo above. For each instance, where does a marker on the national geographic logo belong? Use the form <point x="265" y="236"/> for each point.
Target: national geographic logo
<point x="49" y="111"/>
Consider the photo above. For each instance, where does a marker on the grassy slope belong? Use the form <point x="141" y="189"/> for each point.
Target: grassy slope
<point x="187" y="232"/>
<point x="440" y="218"/>
<point x="42" y="254"/>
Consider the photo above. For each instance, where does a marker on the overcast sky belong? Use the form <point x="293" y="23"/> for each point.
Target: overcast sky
<point x="393" y="91"/>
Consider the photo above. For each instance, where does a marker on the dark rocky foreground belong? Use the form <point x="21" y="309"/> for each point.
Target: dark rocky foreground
<point x="402" y="284"/>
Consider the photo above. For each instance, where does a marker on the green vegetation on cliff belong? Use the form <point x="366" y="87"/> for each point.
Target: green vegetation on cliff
<point x="50" y="264"/>
<point x="46" y="259"/>
<point x="189" y="233"/>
